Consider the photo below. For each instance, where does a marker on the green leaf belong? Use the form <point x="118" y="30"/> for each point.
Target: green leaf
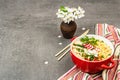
<point x="62" y="8"/>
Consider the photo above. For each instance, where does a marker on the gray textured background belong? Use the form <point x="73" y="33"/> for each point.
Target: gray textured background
<point x="29" y="30"/>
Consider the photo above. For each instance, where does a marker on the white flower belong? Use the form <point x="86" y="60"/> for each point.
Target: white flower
<point x="70" y="14"/>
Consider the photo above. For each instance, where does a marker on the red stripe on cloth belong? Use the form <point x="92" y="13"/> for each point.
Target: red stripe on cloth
<point x="82" y="76"/>
<point x="77" y="76"/>
<point x="110" y="37"/>
<point x="100" y="30"/>
<point x="69" y="73"/>
<point x="118" y="71"/>
<point x="118" y="76"/>
<point x="90" y="78"/>
<point x="114" y="33"/>
<point x="98" y="78"/>
<point x="112" y="72"/>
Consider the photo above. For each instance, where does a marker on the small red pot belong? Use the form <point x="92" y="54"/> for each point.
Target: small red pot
<point x="93" y="66"/>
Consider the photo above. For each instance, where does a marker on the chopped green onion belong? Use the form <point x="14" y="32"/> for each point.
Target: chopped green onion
<point x="78" y="45"/>
<point x="91" y="57"/>
<point x="80" y="50"/>
<point x="91" y="40"/>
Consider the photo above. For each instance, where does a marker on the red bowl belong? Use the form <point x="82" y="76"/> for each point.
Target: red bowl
<point x="93" y="66"/>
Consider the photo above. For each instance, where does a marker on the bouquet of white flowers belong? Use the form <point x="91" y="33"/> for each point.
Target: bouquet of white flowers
<point x="70" y="14"/>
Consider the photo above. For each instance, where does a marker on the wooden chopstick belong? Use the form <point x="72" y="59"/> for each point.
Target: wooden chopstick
<point x="63" y="54"/>
<point x="67" y="47"/>
<point x="62" y="50"/>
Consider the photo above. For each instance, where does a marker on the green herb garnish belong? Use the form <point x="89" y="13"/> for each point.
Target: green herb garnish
<point x="102" y="56"/>
<point x="78" y="45"/>
<point x="80" y="50"/>
<point x="91" y="57"/>
<point x="88" y="40"/>
<point x="109" y="54"/>
<point x="86" y="56"/>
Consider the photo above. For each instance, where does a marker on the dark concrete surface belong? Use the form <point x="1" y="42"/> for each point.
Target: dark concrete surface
<point x="29" y="32"/>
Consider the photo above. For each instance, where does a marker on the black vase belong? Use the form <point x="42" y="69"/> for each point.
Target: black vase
<point x="68" y="29"/>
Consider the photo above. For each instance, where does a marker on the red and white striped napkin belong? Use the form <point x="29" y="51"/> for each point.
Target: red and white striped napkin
<point x="113" y="34"/>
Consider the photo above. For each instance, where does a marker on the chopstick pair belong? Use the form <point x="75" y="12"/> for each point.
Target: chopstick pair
<point x="67" y="48"/>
